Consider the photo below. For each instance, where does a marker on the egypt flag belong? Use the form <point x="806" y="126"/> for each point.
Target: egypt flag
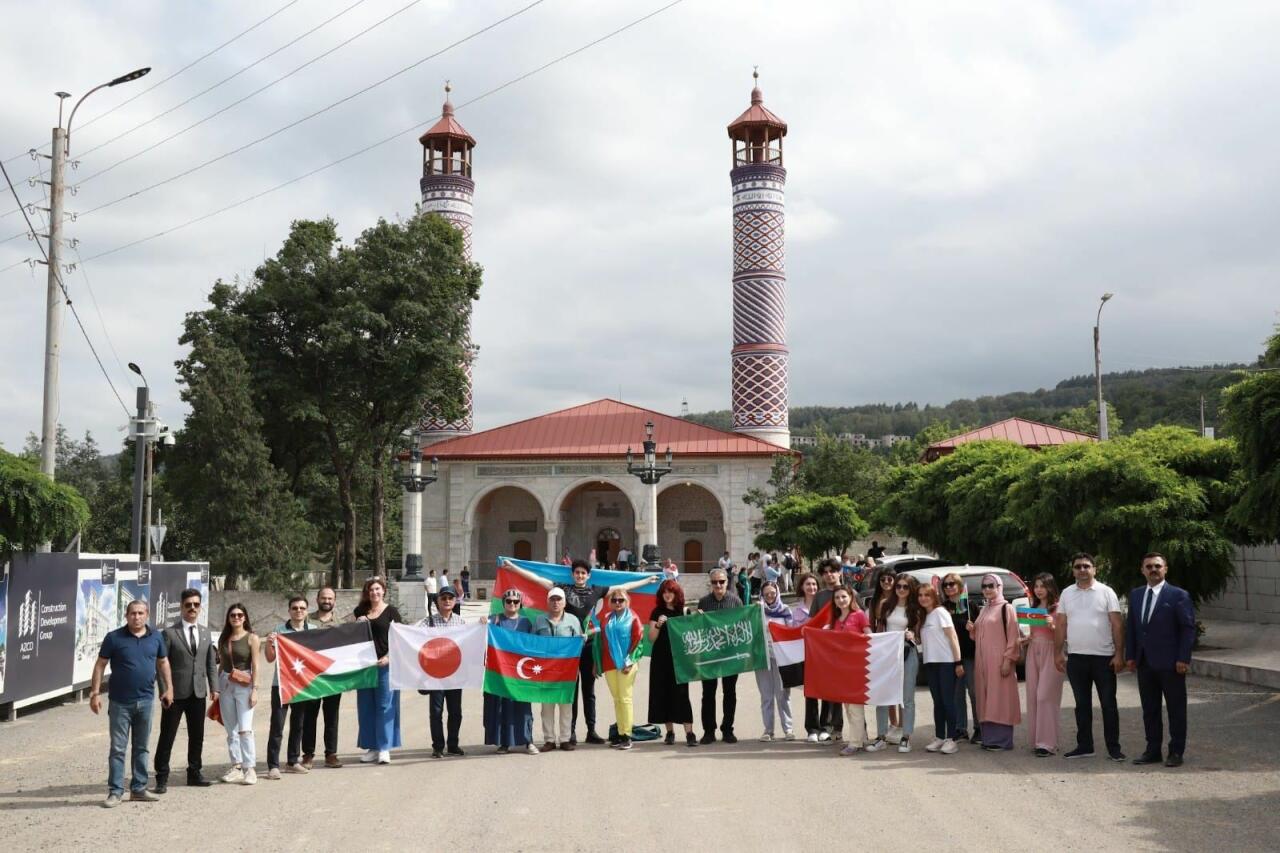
<point x="853" y="669"/>
<point x="788" y="640"/>
<point x="446" y="657"/>
<point x="643" y="599"/>
<point x="531" y="668"/>
<point x="313" y="664"/>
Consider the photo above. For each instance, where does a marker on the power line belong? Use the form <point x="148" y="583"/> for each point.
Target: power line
<point x="291" y="124"/>
<point x="57" y="275"/>
<point x="186" y="67"/>
<point x="397" y="135"/>
<point x="232" y="77"/>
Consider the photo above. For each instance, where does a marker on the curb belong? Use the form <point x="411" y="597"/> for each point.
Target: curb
<point x="1254" y="675"/>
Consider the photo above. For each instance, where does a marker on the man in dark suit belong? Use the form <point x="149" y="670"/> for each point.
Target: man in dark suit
<point x="193" y="663"/>
<point x="1160" y="633"/>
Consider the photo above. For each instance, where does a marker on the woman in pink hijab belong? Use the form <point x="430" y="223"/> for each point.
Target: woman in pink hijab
<point x="996" y="638"/>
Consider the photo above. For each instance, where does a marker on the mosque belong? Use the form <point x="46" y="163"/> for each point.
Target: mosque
<point x="558" y="483"/>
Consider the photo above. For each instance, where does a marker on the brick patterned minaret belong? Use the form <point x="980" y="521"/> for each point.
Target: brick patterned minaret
<point x="447" y="188"/>
<point x="759" y="356"/>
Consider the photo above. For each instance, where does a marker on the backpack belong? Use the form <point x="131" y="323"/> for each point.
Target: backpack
<point x="638" y="733"/>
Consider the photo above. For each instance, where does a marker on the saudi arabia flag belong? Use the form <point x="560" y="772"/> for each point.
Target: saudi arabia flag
<point x="314" y="664"/>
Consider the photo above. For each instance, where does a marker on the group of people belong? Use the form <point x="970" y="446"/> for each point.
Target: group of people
<point x="967" y="653"/>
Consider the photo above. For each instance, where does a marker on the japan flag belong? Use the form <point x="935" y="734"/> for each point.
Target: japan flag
<point x="440" y="658"/>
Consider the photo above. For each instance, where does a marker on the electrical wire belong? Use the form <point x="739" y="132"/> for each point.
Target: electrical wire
<point x="186" y="67"/>
<point x="393" y="137"/>
<point x="57" y="276"/>
<point x="291" y="124"/>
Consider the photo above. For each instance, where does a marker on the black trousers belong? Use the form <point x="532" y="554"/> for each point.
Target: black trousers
<point x="1155" y="685"/>
<point x="297" y="723"/>
<point x="586" y="688"/>
<point x="330" y="705"/>
<point x="440" y="700"/>
<point x="193" y="709"/>
<point x="730" y="683"/>
<point x="1085" y="673"/>
<point x="831" y="717"/>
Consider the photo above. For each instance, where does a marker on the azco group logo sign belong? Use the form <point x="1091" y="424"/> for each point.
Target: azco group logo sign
<point x="36" y="623"/>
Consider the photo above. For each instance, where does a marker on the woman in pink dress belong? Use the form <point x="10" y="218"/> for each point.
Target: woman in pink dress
<point x="996" y="638"/>
<point x="1044" y="682"/>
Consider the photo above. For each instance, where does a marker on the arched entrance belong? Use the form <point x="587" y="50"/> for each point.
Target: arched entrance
<point x="690" y="526"/>
<point x="505" y="523"/>
<point x="597" y="516"/>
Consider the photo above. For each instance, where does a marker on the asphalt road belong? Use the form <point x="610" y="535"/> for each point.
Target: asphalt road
<point x="750" y="796"/>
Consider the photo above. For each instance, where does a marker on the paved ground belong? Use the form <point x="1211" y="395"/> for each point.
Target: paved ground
<point x="752" y="796"/>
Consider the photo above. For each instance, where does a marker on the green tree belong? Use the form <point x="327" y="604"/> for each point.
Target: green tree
<point x="782" y="482"/>
<point x="346" y="346"/>
<point x="1085" y="419"/>
<point x="816" y="524"/>
<point x="1252" y="410"/>
<point x="35" y="509"/>
<point x="833" y="467"/>
<point x="234" y="505"/>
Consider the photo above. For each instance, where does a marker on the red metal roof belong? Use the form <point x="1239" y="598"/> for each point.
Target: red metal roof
<point x="1031" y="434"/>
<point x="758" y="116"/>
<point x="602" y="428"/>
<point x="447" y="126"/>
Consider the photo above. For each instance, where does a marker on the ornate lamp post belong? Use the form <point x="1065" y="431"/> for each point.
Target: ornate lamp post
<point x="414" y="483"/>
<point x="1097" y="368"/>
<point x="650" y="472"/>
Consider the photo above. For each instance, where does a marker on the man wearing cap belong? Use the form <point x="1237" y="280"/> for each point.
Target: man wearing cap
<point x="581" y="600"/>
<point x="446" y="598"/>
<point x="556" y="623"/>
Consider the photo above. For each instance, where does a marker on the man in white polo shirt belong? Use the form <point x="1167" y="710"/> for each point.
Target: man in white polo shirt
<point x="1089" y="638"/>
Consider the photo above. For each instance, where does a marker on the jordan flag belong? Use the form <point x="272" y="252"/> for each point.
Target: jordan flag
<point x="440" y="658"/>
<point x="853" y="669"/>
<point x="313" y="664"/>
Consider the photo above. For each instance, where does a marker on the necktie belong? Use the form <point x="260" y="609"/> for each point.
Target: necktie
<point x="1146" y="609"/>
<point x="191" y="638"/>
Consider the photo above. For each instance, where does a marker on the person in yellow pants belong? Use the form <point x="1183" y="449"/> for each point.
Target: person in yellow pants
<point x="617" y="657"/>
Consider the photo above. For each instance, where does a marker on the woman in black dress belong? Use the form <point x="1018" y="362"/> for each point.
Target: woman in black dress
<point x="668" y="701"/>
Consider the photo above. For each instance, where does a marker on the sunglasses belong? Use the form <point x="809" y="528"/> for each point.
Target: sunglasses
<point x="951" y="583"/>
<point x="1152" y="568"/>
<point x="617" y="601"/>
<point x="903" y="586"/>
<point x="235" y="615"/>
<point x="1082" y="567"/>
<point x="888" y="578"/>
<point x="299" y="607"/>
<point x="191" y="605"/>
<point x="988" y="586"/>
<point x="510" y="601"/>
<point x="718" y="583"/>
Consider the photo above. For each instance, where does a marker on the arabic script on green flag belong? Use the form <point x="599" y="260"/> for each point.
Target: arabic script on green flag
<point x="713" y="645"/>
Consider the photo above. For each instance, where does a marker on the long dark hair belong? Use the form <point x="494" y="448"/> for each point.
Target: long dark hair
<point x="878" y="595"/>
<point x="915" y="613"/>
<point x="671" y="584"/>
<point x="224" y="642"/>
<point x="365" y="603"/>
<point x="1050" y="585"/>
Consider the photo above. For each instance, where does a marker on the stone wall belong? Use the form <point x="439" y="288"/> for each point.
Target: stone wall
<point x="1253" y="595"/>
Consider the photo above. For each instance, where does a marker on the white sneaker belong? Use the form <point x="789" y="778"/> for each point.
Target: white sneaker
<point x="894" y="735"/>
<point x="234" y="776"/>
<point x="812" y="738"/>
<point x="384" y="756"/>
<point x="789" y="736"/>
<point x="905" y="745"/>
<point x="250" y="777"/>
<point x="766" y="737"/>
<point x="273" y="774"/>
<point x="531" y="749"/>
<point x="823" y="737"/>
<point x="849" y="749"/>
<point x="949" y="747"/>
<point x="370" y="756"/>
<point x="876" y="745"/>
<point x="934" y="745"/>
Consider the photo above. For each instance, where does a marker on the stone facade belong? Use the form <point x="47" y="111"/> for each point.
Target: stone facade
<point x="1253" y="595"/>
<point x="468" y="514"/>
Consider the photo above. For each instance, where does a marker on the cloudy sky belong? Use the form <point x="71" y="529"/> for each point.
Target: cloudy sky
<point x="964" y="181"/>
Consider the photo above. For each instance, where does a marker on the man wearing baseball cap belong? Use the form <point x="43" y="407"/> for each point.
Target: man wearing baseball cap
<point x="556" y="623"/>
<point x="446" y="598"/>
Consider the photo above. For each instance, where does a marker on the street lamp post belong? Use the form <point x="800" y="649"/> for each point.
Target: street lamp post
<point x="1097" y="369"/>
<point x="414" y="483"/>
<point x="650" y="472"/>
<point x="53" y="300"/>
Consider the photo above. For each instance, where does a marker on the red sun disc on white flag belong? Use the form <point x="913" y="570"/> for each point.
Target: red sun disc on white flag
<point x="439" y="657"/>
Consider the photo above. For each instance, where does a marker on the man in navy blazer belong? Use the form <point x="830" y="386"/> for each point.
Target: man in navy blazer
<point x="1158" y="639"/>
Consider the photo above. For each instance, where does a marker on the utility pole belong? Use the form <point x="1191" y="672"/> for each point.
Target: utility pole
<point x="1202" y="416"/>
<point x="53" y="297"/>
<point x="1097" y="369"/>
<point x="140" y="445"/>
<point x="146" y="512"/>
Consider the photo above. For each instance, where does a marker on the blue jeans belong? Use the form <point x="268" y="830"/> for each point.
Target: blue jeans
<point x="126" y="717"/>
<point x="910" y="669"/>
<point x="942" y="687"/>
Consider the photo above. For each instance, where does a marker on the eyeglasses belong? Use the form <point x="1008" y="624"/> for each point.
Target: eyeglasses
<point x="235" y="615"/>
<point x="1082" y="567"/>
<point x="888" y="578"/>
<point x="718" y="583"/>
<point x="951" y="583"/>
<point x="298" y="607"/>
<point x="191" y="605"/>
<point x="617" y="601"/>
<point x="903" y="586"/>
<point x="510" y="601"/>
<point x="988" y="586"/>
